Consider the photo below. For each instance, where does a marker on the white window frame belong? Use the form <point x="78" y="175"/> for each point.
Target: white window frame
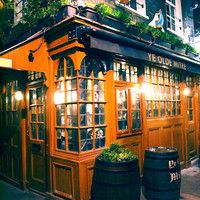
<point x="177" y="17"/>
<point x="18" y="6"/>
<point x="140" y="7"/>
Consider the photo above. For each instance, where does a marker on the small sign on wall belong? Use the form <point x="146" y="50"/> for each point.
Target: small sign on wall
<point x="5" y="63"/>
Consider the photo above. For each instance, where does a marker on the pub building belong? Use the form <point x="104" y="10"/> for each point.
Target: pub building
<point x="68" y="92"/>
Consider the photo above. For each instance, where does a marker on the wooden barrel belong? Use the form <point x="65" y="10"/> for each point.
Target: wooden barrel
<point x="116" y="181"/>
<point x="161" y="174"/>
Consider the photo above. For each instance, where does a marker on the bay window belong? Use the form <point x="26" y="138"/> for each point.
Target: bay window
<point x="80" y="106"/>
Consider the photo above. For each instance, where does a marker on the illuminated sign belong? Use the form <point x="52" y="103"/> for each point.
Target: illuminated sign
<point x="166" y="61"/>
<point x="5" y="63"/>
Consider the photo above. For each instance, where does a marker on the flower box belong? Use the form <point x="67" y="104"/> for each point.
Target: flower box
<point x="163" y="43"/>
<point x="65" y="11"/>
<point x="192" y="54"/>
<point x="92" y="14"/>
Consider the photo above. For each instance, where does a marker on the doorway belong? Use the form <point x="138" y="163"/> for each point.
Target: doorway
<point x="36" y="137"/>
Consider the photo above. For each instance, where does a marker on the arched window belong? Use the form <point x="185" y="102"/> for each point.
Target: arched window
<point x="80" y="105"/>
<point x="92" y="104"/>
<point x="65" y="98"/>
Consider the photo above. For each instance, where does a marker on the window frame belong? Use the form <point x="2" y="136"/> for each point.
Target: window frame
<point x="140" y="7"/>
<point x="86" y="130"/>
<point x="177" y="17"/>
<point x="130" y="87"/>
<point x="167" y="82"/>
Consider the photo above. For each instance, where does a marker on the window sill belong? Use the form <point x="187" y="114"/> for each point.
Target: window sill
<point x="175" y="32"/>
<point x="133" y="11"/>
<point x="123" y="134"/>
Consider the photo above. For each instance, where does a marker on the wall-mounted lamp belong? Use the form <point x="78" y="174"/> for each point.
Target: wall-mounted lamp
<point x="18" y="95"/>
<point x="31" y="52"/>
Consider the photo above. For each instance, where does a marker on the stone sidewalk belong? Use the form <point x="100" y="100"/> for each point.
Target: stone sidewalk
<point x="190" y="187"/>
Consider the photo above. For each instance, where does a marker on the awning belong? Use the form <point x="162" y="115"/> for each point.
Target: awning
<point x="5" y="63"/>
<point x="128" y="47"/>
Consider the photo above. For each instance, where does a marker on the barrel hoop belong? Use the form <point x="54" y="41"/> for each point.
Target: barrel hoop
<point x="167" y="170"/>
<point x="114" y="184"/>
<point x="161" y="157"/>
<point x="161" y="189"/>
<point x="108" y="170"/>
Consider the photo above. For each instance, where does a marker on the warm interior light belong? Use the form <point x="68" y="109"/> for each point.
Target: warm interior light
<point x="146" y="89"/>
<point x="18" y="95"/>
<point x="186" y="91"/>
<point x="59" y="97"/>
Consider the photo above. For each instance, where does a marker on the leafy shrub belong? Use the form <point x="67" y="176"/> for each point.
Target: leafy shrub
<point x="104" y="9"/>
<point x="116" y="153"/>
<point x="165" y="36"/>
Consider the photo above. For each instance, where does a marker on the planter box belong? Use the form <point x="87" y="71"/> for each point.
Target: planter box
<point x="45" y="22"/>
<point x="65" y="11"/>
<point x="89" y="13"/>
<point x="134" y="30"/>
<point x="178" y="49"/>
<point x="92" y="14"/>
<point x="192" y="55"/>
<point x="163" y="43"/>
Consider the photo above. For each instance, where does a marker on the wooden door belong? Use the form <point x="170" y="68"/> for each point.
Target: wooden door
<point x="190" y="128"/>
<point x="36" y="138"/>
<point x="10" y="129"/>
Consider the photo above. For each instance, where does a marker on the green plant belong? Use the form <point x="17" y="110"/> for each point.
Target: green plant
<point x="104" y="9"/>
<point x="165" y="36"/>
<point x="116" y="153"/>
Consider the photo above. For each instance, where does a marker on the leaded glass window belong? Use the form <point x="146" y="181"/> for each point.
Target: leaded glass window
<point x="162" y="92"/>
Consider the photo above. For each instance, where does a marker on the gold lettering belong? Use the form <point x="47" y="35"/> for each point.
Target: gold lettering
<point x="160" y="59"/>
<point x="153" y="57"/>
<point x="149" y="56"/>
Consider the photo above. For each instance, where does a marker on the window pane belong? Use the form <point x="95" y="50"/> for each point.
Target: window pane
<point x="122" y="109"/>
<point x="72" y="117"/>
<point x="72" y="139"/>
<point x="98" y="90"/>
<point x="149" y="111"/>
<point x="33" y="114"/>
<point x="39" y="95"/>
<point x="86" y="114"/>
<point x="41" y="114"/>
<point x="99" y="137"/>
<point x="32" y="97"/>
<point x="162" y="108"/>
<point x="86" y="139"/>
<point x="33" y="131"/>
<point x="41" y="131"/>
<point x="135" y="109"/>
<point x="99" y="114"/>
<point x="61" y="139"/>
<point x="85" y="86"/>
<point x="60" y="115"/>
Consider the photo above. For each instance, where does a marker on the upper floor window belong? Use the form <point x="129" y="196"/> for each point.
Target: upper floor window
<point x="174" y="16"/>
<point x="139" y="6"/>
<point x="18" y="5"/>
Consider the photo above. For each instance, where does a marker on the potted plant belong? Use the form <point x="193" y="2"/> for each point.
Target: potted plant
<point x="116" y="175"/>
